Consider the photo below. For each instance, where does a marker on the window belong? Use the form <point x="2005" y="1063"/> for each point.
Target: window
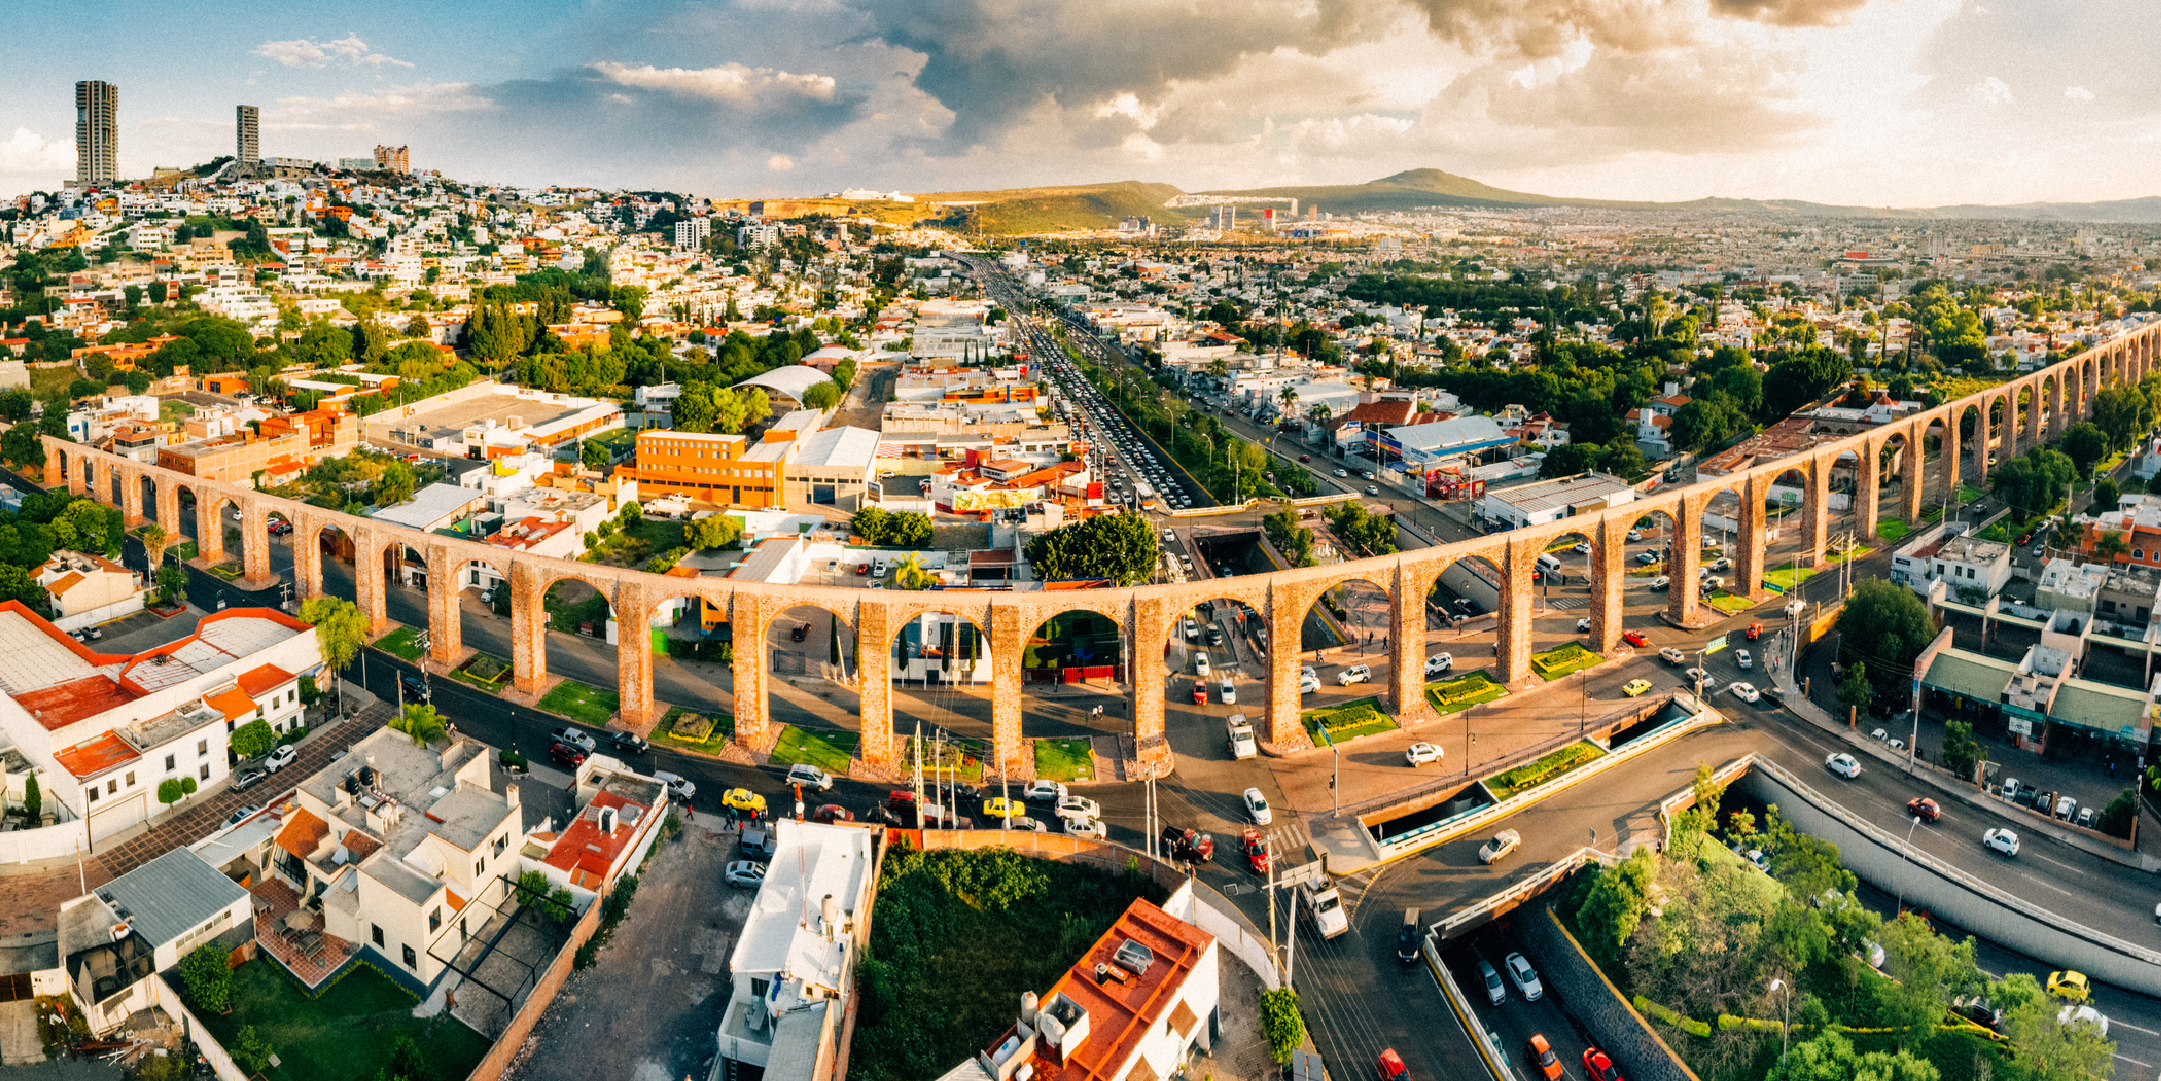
<point x="202" y="748"/>
<point x="480" y="867"/>
<point x="205" y="774"/>
<point x="93" y="793"/>
<point x="131" y="778"/>
<point x="500" y="842"/>
<point x="412" y="960"/>
<point x="435" y="920"/>
<point x="378" y="933"/>
<point x="168" y="763"/>
<point x="758" y="986"/>
<point x="112" y="787"/>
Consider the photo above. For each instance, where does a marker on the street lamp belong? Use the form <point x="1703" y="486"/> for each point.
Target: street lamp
<point x="1785" y="1016"/>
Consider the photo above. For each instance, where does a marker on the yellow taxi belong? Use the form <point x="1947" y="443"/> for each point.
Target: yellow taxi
<point x="2068" y="985"/>
<point x="745" y="800"/>
<point x="1001" y="807"/>
<point x="1635" y="687"/>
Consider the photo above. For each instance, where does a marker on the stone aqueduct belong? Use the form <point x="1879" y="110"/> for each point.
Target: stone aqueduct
<point x="1146" y="614"/>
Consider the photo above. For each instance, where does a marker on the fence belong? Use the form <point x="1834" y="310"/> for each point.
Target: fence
<point x="1208" y="910"/>
<point x="45" y="842"/>
<point x="512" y="1039"/>
<point x="222" y="1065"/>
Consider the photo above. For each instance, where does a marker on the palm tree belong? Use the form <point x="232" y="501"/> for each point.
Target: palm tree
<point x="155" y="541"/>
<point x="420" y="722"/>
<point x="909" y="573"/>
<point x="1290" y="398"/>
<point x="2111" y="545"/>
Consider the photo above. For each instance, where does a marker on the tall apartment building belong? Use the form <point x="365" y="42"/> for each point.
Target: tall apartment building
<point x="249" y="147"/>
<point x="394" y="159"/>
<point x="97" y="131"/>
<point x="690" y="233"/>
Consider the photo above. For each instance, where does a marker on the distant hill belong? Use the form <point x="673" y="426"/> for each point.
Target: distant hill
<point x="1057" y="209"/>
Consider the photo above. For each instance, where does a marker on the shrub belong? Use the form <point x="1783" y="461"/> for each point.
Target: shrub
<point x="1281" y="1022"/>
<point x="254" y="739"/>
<point x="250" y="1051"/>
<point x="512" y="760"/>
<point x="209" y="978"/>
<point x="309" y="692"/>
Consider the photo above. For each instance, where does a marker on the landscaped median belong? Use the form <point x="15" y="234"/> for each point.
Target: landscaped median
<point x="1732" y="604"/>
<point x="401" y="642"/>
<point x="1563" y="660"/>
<point x="829" y="749"/>
<point x="1463" y="692"/>
<point x="1065" y="760"/>
<point x="483" y="671"/>
<point x="701" y="732"/>
<point x="1347" y="722"/>
<point x="1532" y="774"/>
<point x="582" y="703"/>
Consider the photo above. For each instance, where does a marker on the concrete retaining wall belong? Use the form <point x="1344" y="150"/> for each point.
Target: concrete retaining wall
<point x="1879" y="858"/>
<point x="1614" y="1025"/>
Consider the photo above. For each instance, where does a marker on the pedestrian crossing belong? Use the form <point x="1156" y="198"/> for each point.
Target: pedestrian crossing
<point x="1571" y="602"/>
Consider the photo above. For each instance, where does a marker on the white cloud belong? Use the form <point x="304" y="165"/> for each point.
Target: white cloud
<point x="732" y="83"/>
<point x="360" y="111"/>
<point x="2078" y="94"/>
<point x="1991" y="91"/>
<point x="302" y="53"/>
<point x="28" y="152"/>
<point x="780" y="163"/>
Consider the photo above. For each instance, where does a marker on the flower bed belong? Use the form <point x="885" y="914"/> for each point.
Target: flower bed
<point x="1360" y="718"/>
<point x="483" y="671"/>
<point x="1555" y="663"/>
<point x="1533" y="774"/>
<point x="684" y="730"/>
<point x="1457" y="695"/>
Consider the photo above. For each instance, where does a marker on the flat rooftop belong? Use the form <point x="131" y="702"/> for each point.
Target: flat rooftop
<point x="451" y="419"/>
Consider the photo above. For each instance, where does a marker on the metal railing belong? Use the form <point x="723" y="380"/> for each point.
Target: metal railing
<point x="1445" y="927"/>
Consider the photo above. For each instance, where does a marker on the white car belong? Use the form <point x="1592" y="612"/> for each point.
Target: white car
<point x="1193" y="631"/>
<point x="1356" y="673"/>
<point x="1200" y="665"/>
<point x="1745" y="659"/>
<point x="2083" y="1014"/>
<point x="1439" y="663"/>
<point x="1072" y="807"/>
<point x="810" y="776"/>
<point x="1672" y="655"/>
<point x="1796" y="607"/>
<point x="1085" y="827"/>
<point x="1582" y="548"/>
<point x="1257" y="807"/>
<point x="1501" y="845"/>
<point x="1635" y="534"/>
<point x="1418" y="754"/>
<point x="1746" y="692"/>
<point x="281" y="758"/>
<point x="1043" y="792"/>
<point x="1721" y="563"/>
<point x="1525" y="977"/>
<point x="1844" y="765"/>
<point x="2003" y="841"/>
<point x="1702" y="679"/>
<point x="1583" y="626"/>
<point x="1308" y="683"/>
<point x="1230" y="693"/>
<point x="1661" y="582"/>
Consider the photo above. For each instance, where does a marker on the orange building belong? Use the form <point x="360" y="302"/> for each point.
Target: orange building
<point x="710" y="468"/>
<point x="227" y="383"/>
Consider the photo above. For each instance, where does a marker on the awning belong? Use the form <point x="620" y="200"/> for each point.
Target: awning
<point x="1969" y="675"/>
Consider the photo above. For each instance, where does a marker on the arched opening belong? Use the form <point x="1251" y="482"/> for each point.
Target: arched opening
<point x="1995" y="427"/>
<point x="1234" y="637"/>
<point x="582" y="629"/>
<point x="226" y="514"/>
<point x="335" y="555"/>
<point x="2051" y="388"/>
<point x="146" y="489"/>
<point x="811" y="667"/>
<point x="1343" y="641"/>
<point x="941" y="676"/>
<point x="693" y="649"/>
<point x="1462" y="618"/>
<point x="1075" y="705"/>
<point x="1560" y="585"/>
<point x="1894" y="461"/>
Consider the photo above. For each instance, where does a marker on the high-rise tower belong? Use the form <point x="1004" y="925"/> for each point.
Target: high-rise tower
<point x="248" y="148"/>
<point x="97" y="131"/>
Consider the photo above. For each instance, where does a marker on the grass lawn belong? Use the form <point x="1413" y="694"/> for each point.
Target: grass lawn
<point x="405" y="642"/>
<point x="46" y="382"/>
<point x="1856" y="552"/>
<point x="960" y="762"/>
<point x="1360" y="718"/>
<point x="1555" y="663"/>
<point x="706" y="733"/>
<point x="1967" y="493"/>
<point x="828" y="749"/>
<point x="1932" y="514"/>
<point x="588" y="705"/>
<point x="1788" y="577"/>
<point x="1892" y="529"/>
<point x="175" y="410"/>
<point x="1457" y="695"/>
<point x="1064" y="760"/>
<point x="1532" y="774"/>
<point x="348" y="1032"/>
<point x="483" y="671"/>
<point x="1730" y="604"/>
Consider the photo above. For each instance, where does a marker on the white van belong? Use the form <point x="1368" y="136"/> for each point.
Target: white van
<point x="1549" y="563"/>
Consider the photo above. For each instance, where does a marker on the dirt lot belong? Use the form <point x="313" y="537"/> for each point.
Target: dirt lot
<point x="648" y="1010"/>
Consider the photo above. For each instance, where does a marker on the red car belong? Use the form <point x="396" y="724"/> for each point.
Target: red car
<point x="1200" y="693"/>
<point x="1256" y="849"/>
<point x="565" y="754"/>
<point x="1924" y="809"/>
<point x="830" y="813"/>
<point x="1755" y="631"/>
<point x="1635" y="638"/>
<point x="1305" y="457"/>
<point x="2025" y="539"/>
<point x="862" y="568"/>
<point x="1391" y="1067"/>
<point x="1598" y="1067"/>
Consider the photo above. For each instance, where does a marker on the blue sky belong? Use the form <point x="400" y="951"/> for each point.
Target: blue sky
<point x="1890" y="102"/>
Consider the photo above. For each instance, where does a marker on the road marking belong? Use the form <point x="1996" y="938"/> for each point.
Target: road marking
<point x="2038" y="882"/>
<point x="2134" y="1028"/>
<point x="2132" y="1061"/>
<point x="2058" y="863"/>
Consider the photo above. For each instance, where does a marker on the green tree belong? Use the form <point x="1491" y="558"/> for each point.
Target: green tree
<point x="209" y="978"/>
<point x="174" y="789"/>
<point x="33" y="798"/>
<point x="693" y="409"/>
<point x="1568" y="460"/>
<point x="2086" y="445"/>
<point x="173" y="584"/>
<point x="250" y="1051"/>
<point x="396" y="485"/>
<point x="1614" y="904"/>
<point x="715" y="531"/>
<point x="421" y="722"/>
<point x="2117" y="816"/>
<point x="2048" y="1049"/>
<point x="1623" y="458"/>
<point x="1886" y="624"/>
<point x="595" y="455"/>
<point x="2105" y="495"/>
<point x="407" y="1061"/>
<point x="22" y="448"/>
<point x="341" y="628"/>
<point x="1704" y="423"/>
<point x="15" y="404"/>
<point x="1961" y="752"/>
<point x="254" y="739"/>
<point x="822" y="396"/>
<point x="1119" y="547"/>
<point x="1854" y="691"/>
<point x="1832" y="1057"/>
<point x="1929" y="970"/>
<point x="1281" y="1022"/>
<point x="1809" y="866"/>
<point x="2111" y="546"/>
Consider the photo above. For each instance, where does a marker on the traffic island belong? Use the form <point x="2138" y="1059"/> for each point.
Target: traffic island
<point x="829" y="749"/>
<point x="1463" y="692"/>
<point x="1561" y="661"/>
<point x="401" y="642"/>
<point x="483" y="671"/>
<point x="1063" y="760"/>
<point x="1345" y="723"/>
<point x="699" y="733"/>
<point x="581" y="703"/>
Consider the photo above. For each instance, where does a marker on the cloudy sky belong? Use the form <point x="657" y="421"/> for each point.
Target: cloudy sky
<point x="1889" y="102"/>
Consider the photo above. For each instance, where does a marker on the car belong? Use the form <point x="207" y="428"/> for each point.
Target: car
<point x="1796" y="607"/>
<point x="2069" y="985"/>
<point x="625" y="742"/>
<point x="810" y="777"/>
<point x="678" y="787"/>
<point x="1200" y="664"/>
<point x="1721" y="563"/>
<point x="1182" y="845"/>
<point x="1746" y="692"/>
<point x="1843" y="764"/>
<point x="1647" y="558"/>
<point x="1496" y="991"/>
<point x="1356" y="673"/>
<point x="1071" y="807"/>
<point x="1341" y="473"/>
<point x="1308" y="683"/>
<point x="1003" y="807"/>
<point x="1661" y="583"/>
<point x="248" y="778"/>
<point x="2085" y="1015"/>
<point x="1745" y="659"/>
<point x="1598" y="1067"/>
<point x="566" y="755"/>
<point x="1525" y="977"/>
<point x="1373" y="489"/>
<point x="1043" y="792"/>
<point x="1439" y="663"/>
<point x="2086" y="817"/>
<point x="1326" y="907"/>
<point x="1544" y="1061"/>
<point x="1635" y="638"/>
<point x="242" y="815"/>
<point x="1257" y="807"/>
<point x="1755" y="631"/>
<point x="280" y="758"/>
<point x="2066" y="807"/>
<point x="1713" y="582"/>
<point x="1501" y="845"/>
<point x="1635" y="687"/>
<point x="1368" y="474"/>
<point x="1228" y="691"/>
<point x="1089" y="828"/>
<point x="1239" y="731"/>
<point x="1215" y="635"/>
<point x="2025" y="539"/>
<point x="2001" y="840"/>
<point x="1305" y="458"/>
<point x="830" y="813"/>
<point x="1702" y="680"/>
<point x="573" y="737"/>
<point x="743" y="800"/>
<point x="1200" y="693"/>
<point x="799" y="632"/>
<point x="1672" y="656"/>
<point x="1192" y="629"/>
<point x="416" y="689"/>
<point x="745" y="874"/>
<point x="1583" y="625"/>
<point x="1582" y="548"/>
<point x="1923" y="808"/>
<point x="1418" y="754"/>
<point x="1024" y="822"/>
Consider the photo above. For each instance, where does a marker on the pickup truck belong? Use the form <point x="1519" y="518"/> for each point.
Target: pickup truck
<point x="1326" y="905"/>
<point x="573" y="737"/>
<point x="1241" y="737"/>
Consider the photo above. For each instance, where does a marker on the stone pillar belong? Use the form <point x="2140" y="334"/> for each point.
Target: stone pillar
<point x="209" y="532"/>
<point x="168" y="495"/>
<point x="1286" y="618"/>
<point x="445" y="630"/>
<point x="749" y="615"/>
<point x="1008" y="639"/>
<point x="1148" y="633"/>
<point x="368" y="542"/>
<point x="1407" y="640"/>
<point x="1864" y="487"/>
<point x="1683" y="556"/>
<point x="1609" y="576"/>
<point x="79" y="473"/>
<point x="255" y="545"/>
<point x="2033" y="415"/>
<point x="131" y="496"/>
<point x="101" y="480"/>
<point x="1816" y="508"/>
<point x="1911" y="474"/>
<point x="55" y="474"/>
<point x="633" y="653"/>
<point x="2053" y="387"/>
<point x="1512" y="660"/>
<point x="528" y="634"/>
<point x="307" y="541"/>
<point x="874" y="682"/>
<point x="1755" y="529"/>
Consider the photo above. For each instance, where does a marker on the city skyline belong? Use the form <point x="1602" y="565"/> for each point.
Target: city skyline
<point x="1876" y="102"/>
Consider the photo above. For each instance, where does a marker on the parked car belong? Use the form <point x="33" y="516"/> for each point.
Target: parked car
<point x="241" y="815"/>
<point x="2066" y="807"/>
<point x="1356" y="673"/>
<point x="745" y="874"/>
<point x="830" y="813"/>
<point x="624" y="742"/>
<point x="1439" y="663"/>
<point x="810" y="777"/>
<point x="677" y="787"/>
<point x="1186" y="845"/>
<point x="1072" y="807"/>
<point x="573" y="737"/>
<point x="1257" y="806"/>
<point x="1501" y="845"/>
<point x="280" y="758"/>
<point x="1525" y="977"/>
<point x="416" y="689"/>
<point x="1091" y="828"/>
<point x="566" y="755"/>
<point x="743" y="800"/>
<point x="2003" y="841"/>
<point x="1418" y="754"/>
<point x="249" y="778"/>
<point x="799" y="632"/>
<point x="1646" y="558"/>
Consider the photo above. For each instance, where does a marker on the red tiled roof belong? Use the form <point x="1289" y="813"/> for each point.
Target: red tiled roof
<point x="61" y="705"/>
<point x="584" y="847"/>
<point x="302" y="832"/>
<point x="1122" y="1013"/>
<point x="87" y="760"/>
<point x="262" y="680"/>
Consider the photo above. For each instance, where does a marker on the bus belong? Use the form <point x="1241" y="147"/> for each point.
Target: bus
<point x="1147" y="494"/>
